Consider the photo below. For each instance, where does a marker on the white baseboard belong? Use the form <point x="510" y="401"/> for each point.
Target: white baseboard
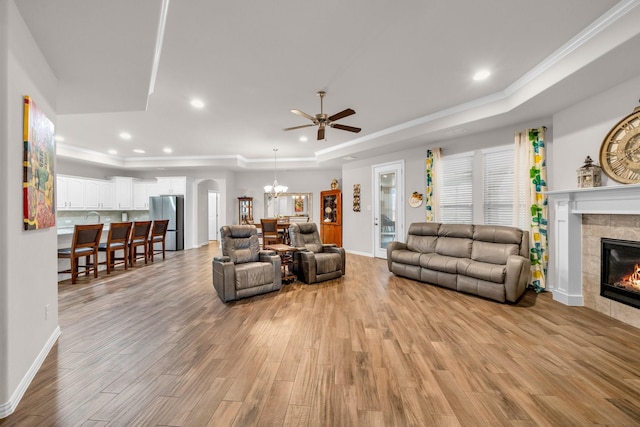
<point x="367" y="254"/>
<point x="566" y="299"/>
<point x="7" y="408"/>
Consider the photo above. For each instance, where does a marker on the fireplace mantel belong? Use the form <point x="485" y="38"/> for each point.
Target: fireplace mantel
<point x="568" y="208"/>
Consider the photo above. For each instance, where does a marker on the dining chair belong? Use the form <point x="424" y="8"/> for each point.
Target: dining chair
<point x="86" y="239"/>
<point x="270" y="233"/>
<point x="157" y="236"/>
<point x="139" y="237"/>
<point x="117" y="240"/>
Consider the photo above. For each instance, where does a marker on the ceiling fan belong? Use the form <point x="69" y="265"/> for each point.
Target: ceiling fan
<point x="323" y="120"/>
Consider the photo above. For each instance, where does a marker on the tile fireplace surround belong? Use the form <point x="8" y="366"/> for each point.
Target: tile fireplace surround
<point x="580" y="218"/>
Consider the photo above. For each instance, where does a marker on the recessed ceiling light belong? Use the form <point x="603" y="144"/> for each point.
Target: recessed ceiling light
<point x="167" y="150"/>
<point x="59" y="138"/>
<point x="303" y="139"/>
<point x="197" y="103"/>
<point x="112" y="152"/>
<point x="481" y="75"/>
<point x="139" y="151"/>
<point x="454" y="132"/>
<point x="125" y="135"/>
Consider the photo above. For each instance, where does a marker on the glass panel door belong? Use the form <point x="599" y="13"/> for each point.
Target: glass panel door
<point x="388" y="207"/>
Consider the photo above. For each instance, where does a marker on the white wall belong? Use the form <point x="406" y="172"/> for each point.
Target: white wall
<point x="252" y="184"/>
<point x="358" y="226"/>
<point x="580" y="129"/>
<point x="28" y="273"/>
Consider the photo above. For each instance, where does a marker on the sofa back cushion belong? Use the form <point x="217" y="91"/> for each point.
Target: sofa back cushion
<point x="494" y="253"/>
<point x="240" y="243"/>
<point x="454" y="246"/>
<point x="494" y="243"/>
<point x="422" y="237"/>
<point x="305" y="235"/>
<point x="497" y="234"/>
<point x="456" y="230"/>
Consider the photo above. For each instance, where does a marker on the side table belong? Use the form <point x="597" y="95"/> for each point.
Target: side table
<point x="286" y="255"/>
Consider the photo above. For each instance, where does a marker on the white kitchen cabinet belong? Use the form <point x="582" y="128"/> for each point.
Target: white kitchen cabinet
<point x="98" y="194"/>
<point x="172" y="185"/>
<point x="123" y="192"/>
<point x="142" y="190"/>
<point x="69" y="192"/>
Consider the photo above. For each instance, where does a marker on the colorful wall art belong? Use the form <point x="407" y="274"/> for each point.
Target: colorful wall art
<point x="38" y="175"/>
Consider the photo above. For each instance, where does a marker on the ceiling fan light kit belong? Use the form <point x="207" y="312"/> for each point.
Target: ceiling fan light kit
<point x="323" y="120"/>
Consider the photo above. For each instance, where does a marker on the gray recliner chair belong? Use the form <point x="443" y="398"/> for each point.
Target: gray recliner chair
<point x="244" y="270"/>
<point x="316" y="262"/>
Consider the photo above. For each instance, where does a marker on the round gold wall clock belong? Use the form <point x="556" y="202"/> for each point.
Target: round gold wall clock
<point x="620" y="150"/>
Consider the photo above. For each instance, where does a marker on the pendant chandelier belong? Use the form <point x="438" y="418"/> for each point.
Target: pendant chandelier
<point x="275" y="189"/>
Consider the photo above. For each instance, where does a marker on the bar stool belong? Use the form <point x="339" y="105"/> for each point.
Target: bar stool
<point x="139" y="236"/>
<point x="118" y="240"/>
<point x="86" y="239"/>
<point x="158" y="234"/>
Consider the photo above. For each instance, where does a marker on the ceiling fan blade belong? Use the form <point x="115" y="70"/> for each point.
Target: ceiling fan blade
<point x="320" y="133"/>
<point x="305" y="115"/>
<point x="299" y="127"/>
<point x="341" y="114"/>
<point x="344" y="127"/>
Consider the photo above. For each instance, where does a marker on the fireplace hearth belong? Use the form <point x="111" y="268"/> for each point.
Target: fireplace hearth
<point x="620" y="271"/>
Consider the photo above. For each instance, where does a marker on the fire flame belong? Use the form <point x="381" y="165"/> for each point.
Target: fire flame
<point x="633" y="279"/>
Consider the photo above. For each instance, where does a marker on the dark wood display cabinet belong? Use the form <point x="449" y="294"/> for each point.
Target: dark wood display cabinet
<point x="245" y="210"/>
<point x="331" y="213"/>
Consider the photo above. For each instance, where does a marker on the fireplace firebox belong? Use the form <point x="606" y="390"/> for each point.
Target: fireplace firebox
<point x="620" y="272"/>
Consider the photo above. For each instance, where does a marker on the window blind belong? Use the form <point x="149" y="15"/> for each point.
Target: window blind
<point x="456" y="189"/>
<point x="499" y="186"/>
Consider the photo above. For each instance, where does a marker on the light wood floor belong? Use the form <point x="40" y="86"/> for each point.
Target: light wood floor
<point x="156" y="346"/>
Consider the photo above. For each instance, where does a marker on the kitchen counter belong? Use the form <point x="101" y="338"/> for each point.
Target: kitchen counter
<point x="65" y="235"/>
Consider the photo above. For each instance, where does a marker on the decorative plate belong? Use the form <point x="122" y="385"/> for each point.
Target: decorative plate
<point x="415" y="201"/>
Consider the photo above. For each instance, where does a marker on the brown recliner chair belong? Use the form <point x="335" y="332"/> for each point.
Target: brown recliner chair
<point x="244" y="270"/>
<point x="316" y="262"/>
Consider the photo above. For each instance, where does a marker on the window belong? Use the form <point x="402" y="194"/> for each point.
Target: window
<point x="456" y="189"/>
<point x="481" y="187"/>
<point x="498" y="181"/>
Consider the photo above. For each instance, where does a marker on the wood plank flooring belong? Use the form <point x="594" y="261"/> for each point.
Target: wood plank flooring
<point x="155" y="346"/>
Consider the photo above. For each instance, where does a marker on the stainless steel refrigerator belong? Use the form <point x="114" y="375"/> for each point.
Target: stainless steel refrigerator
<point x="171" y="208"/>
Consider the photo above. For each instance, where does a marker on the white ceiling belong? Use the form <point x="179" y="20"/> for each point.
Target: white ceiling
<point x="405" y="67"/>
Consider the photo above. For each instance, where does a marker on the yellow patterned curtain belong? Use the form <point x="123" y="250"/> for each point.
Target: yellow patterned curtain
<point x="431" y="196"/>
<point x="532" y="141"/>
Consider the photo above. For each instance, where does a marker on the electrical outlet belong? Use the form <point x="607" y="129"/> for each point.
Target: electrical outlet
<point x="46" y="312"/>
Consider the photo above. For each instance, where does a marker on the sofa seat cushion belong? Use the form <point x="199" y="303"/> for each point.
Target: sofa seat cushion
<point x="482" y="270"/>
<point x="328" y="262"/>
<point x="436" y="262"/>
<point x="251" y="274"/>
<point x="405" y="256"/>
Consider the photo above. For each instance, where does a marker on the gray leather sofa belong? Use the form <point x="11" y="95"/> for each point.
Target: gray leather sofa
<point x="244" y="270"/>
<point x="315" y="261"/>
<point x="484" y="260"/>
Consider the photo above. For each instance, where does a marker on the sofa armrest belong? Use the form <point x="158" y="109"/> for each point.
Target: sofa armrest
<point x="516" y="277"/>
<point x="266" y="253"/>
<point x="224" y="272"/>
<point x="270" y="257"/>
<point x="307" y="266"/>
<point x="393" y="246"/>
<point x="336" y="250"/>
<point x="328" y="245"/>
